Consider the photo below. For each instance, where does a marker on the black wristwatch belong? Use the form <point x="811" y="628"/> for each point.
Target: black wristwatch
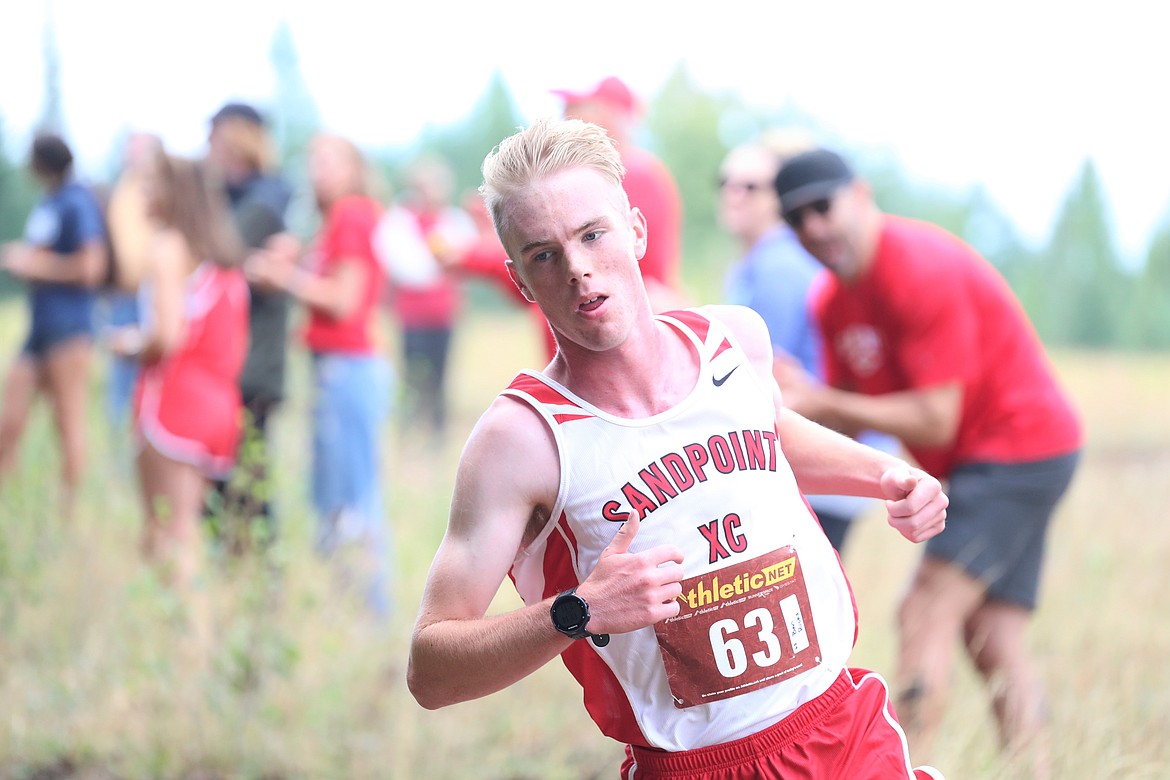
<point x="570" y="616"/>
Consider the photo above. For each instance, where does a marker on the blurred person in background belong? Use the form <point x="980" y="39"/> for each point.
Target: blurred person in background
<point x="648" y="182"/>
<point x="131" y="226"/>
<point x="191" y="344"/>
<point x="63" y="259"/>
<point x="925" y="340"/>
<point x="774" y="276"/>
<point x="240" y="148"/>
<point x="425" y="296"/>
<point x="340" y="282"/>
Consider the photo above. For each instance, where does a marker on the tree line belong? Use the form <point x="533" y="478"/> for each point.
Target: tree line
<point x="1075" y="288"/>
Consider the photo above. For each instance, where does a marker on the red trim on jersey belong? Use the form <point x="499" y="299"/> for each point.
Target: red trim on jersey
<point x="547" y="395"/>
<point x="725" y="345"/>
<point x="539" y="390"/>
<point x="563" y="418"/>
<point x="604" y="698"/>
<point x="560" y="553"/>
<point x="693" y="320"/>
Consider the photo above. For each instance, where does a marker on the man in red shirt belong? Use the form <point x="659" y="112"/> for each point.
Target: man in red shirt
<point x="924" y="340"/>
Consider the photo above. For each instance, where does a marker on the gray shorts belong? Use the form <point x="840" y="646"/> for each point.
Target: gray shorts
<point x="998" y="520"/>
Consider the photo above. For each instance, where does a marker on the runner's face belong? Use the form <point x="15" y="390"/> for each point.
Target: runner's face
<point x="574" y="245"/>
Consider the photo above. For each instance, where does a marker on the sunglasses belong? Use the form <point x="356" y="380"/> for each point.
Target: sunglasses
<point x="795" y="218"/>
<point x="750" y="187"/>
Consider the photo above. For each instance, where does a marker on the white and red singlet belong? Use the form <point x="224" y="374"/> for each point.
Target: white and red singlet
<point x="767" y="618"/>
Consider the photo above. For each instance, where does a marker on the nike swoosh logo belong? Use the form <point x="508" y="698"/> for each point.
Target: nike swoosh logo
<point x="719" y="382"/>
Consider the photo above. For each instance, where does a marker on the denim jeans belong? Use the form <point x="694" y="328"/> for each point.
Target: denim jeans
<point x="350" y="405"/>
<point x="120" y="309"/>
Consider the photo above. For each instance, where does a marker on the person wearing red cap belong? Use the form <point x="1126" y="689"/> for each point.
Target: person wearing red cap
<point x="648" y="183"/>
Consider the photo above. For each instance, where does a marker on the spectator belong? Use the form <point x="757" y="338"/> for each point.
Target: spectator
<point x="341" y="285"/>
<point x="664" y="420"/>
<point x="425" y="298"/>
<point x="239" y="146"/>
<point x="191" y="344"/>
<point x="63" y="259"/>
<point x="774" y="276"/>
<point x="926" y="341"/>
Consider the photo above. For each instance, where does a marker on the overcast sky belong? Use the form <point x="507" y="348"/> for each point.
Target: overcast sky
<point x="1012" y="95"/>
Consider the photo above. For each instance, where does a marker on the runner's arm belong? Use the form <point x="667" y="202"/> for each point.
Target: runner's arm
<point x="829" y="463"/>
<point x="508" y="474"/>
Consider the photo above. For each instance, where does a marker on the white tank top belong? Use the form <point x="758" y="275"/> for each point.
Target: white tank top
<point x="767" y="617"/>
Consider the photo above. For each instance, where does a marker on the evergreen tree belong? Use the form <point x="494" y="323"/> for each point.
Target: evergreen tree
<point x="1085" y="290"/>
<point x="992" y="233"/>
<point x="682" y="127"/>
<point x="17" y="193"/>
<point x="467" y="142"/>
<point x="1150" y="312"/>
<point x="52" y="118"/>
<point x="295" y="119"/>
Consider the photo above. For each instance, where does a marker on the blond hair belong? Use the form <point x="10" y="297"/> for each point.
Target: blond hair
<point x="548" y="146"/>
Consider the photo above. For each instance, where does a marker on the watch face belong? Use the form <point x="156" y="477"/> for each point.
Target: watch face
<point x="569" y="613"/>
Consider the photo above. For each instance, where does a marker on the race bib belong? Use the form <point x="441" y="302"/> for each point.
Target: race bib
<point x="741" y="628"/>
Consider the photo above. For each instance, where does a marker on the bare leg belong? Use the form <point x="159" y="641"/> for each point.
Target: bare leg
<point x="66" y="369"/>
<point x="996" y="639"/>
<point x="172" y="495"/>
<point x="930" y="620"/>
<point x="20" y="390"/>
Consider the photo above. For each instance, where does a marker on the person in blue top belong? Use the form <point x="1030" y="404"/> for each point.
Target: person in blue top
<point x="774" y="276"/>
<point x="62" y="260"/>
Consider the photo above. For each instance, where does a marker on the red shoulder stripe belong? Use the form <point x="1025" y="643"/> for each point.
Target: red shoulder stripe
<point x="693" y="320"/>
<point x="539" y="390"/>
<point x="547" y="396"/>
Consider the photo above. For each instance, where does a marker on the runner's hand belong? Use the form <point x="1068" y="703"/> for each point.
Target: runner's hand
<point x="916" y="503"/>
<point x="628" y="591"/>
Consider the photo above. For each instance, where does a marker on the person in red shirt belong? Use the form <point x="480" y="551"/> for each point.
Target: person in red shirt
<point x="340" y="282"/>
<point x="925" y="340"/>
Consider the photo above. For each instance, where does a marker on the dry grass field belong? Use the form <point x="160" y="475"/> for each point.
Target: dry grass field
<point x="99" y="677"/>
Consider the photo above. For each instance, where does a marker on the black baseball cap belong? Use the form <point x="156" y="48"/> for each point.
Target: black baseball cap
<point x="238" y="111"/>
<point x="809" y="177"/>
